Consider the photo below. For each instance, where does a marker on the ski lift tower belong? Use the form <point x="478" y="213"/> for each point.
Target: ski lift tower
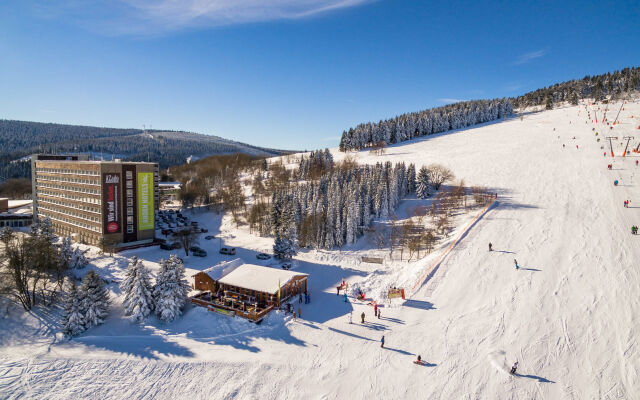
<point x="627" y="146"/>
<point x="610" y="144"/>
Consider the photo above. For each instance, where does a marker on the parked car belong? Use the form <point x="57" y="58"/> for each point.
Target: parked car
<point x="204" y="230"/>
<point x="228" y="250"/>
<point x="286" y="266"/>
<point x="166" y="246"/>
<point x="263" y="256"/>
<point x="195" y="248"/>
<point x="199" y="253"/>
<point x="209" y="237"/>
<point x="194" y="223"/>
<point x="176" y="245"/>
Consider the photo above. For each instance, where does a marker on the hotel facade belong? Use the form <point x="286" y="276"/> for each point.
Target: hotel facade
<point x="101" y="203"/>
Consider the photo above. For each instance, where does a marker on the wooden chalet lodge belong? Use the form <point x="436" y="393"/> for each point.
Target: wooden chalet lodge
<point x="246" y="290"/>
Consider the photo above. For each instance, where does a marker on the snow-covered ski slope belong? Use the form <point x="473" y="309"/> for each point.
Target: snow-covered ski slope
<point x="570" y="315"/>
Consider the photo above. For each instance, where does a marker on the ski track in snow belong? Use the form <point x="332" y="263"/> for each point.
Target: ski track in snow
<point x="570" y="315"/>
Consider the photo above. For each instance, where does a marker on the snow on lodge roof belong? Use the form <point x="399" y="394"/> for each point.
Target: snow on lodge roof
<point x="223" y="268"/>
<point x="258" y="278"/>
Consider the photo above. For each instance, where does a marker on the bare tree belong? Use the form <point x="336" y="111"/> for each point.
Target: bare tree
<point x="480" y="195"/>
<point x="396" y="234"/>
<point x="406" y="233"/>
<point x="378" y="148"/>
<point x="459" y="193"/>
<point x="439" y="174"/>
<point x="186" y="236"/>
<point x="429" y="240"/>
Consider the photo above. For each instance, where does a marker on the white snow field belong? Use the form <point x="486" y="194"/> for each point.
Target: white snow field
<point x="570" y="315"/>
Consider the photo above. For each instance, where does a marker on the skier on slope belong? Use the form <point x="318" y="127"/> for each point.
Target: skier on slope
<point x="382" y="342"/>
<point x="516" y="262"/>
<point x="514" y="368"/>
<point x="362" y="316"/>
<point x="490" y="247"/>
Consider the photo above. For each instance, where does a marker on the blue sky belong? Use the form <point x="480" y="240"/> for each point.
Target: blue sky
<point x="291" y="73"/>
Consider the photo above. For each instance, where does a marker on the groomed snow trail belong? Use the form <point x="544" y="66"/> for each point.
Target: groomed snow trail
<point x="570" y="315"/>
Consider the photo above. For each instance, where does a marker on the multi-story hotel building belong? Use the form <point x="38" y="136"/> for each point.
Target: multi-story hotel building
<point x="109" y="203"/>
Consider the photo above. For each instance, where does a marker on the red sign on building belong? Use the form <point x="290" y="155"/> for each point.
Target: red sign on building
<point x="111" y="202"/>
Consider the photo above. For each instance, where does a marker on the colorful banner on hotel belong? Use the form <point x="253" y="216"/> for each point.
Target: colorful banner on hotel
<point x="145" y="201"/>
<point x="129" y="203"/>
<point x="111" y="202"/>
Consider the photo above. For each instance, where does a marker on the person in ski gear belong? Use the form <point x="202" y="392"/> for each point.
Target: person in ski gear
<point x="615" y="183"/>
<point x="514" y="368"/>
<point x="337" y="290"/>
<point x="379" y="314"/>
<point x="300" y="298"/>
<point x="419" y="360"/>
<point x="294" y="315"/>
<point x="382" y="342"/>
<point x="375" y="309"/>
<point x="351" y="317"/>
<point x="346" y="299"/>
<point x="636" y="163"/>
<point x="516" y="262"/>
<point x="490" y="247"/>
<point x="362" y="316"/>
<point x="299" y="312"/>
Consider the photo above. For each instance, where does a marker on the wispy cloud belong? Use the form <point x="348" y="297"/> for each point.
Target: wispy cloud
<point x="449" y="100"/>
<point x="152" y="17"/>
<point x="528" y="57"/>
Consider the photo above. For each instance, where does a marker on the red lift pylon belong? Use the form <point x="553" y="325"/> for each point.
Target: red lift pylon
<point x="627" y="146"/>
<point x="611" y="145"/>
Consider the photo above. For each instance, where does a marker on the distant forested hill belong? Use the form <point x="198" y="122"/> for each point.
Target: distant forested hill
<point x="19" y="139"/>
<point x="609" y="86"/>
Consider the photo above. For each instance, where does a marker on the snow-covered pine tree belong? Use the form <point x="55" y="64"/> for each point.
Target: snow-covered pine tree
<point x="136" y="287"/>
<point x="285" y="243"/>
<point x="383" y="194"/>
<point x="422" y="183"/>
<point x="78" y="258"/>
<point x="411" y="178"/>
<point x="66" y="253"/>
<point x="72" y="317"/>
<point x="43" y="228"/>
<point x="95" y="299"/>
<point x="170" y="290"/>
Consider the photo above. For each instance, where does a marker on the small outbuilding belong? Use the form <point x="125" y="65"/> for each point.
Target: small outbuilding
<point x="246" y="290"/>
